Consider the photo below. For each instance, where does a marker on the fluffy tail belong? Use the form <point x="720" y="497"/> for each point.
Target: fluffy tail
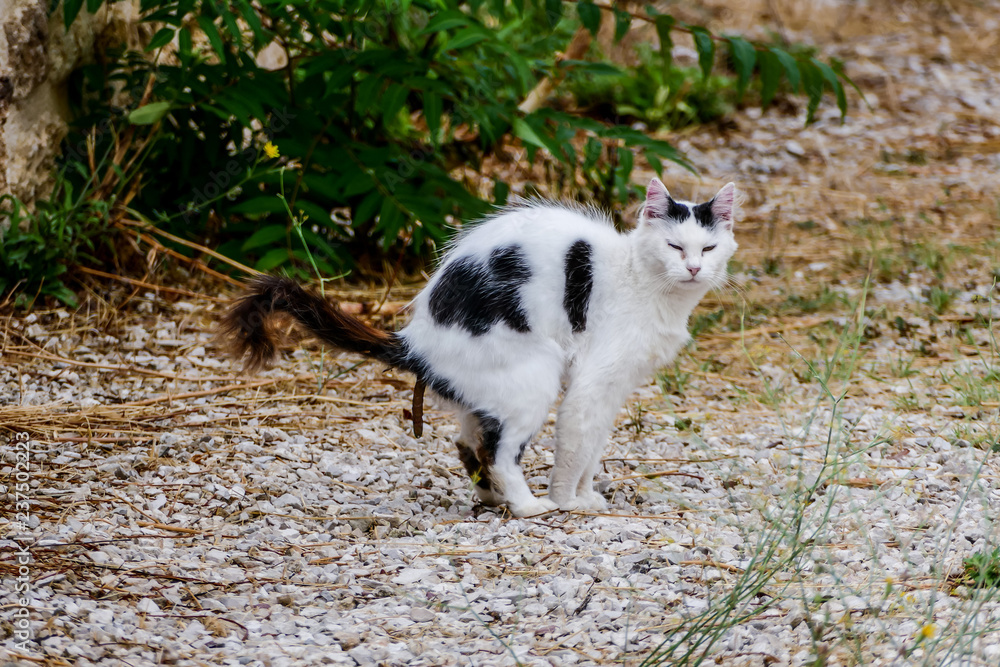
<point x="249" y="330"/>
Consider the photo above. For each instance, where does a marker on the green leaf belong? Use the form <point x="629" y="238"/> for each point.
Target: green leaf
<point x="594" y="69"/>
<point x="184" y="45"/>
<point x="590" y="16"/>
<point x="664" y="24"/>
<point x="526" y="133"/>
<point x="249" y="14"/>
<point x="390" y="221"/>
<point x="392" y="101"/>
<point x="161" y="38"/>
<point x="71" y="8"/>
<point x="94" y="5"/>
<point x="770" y="77"/>
<point x="149" y="113"/>
<point x="366" y="209"/>
<point x="212" y="33"/>
<point x="64" y="294"/>
<point x="273" y="258"/>
<point x="316" y="241"/>
<point x="265" y="236"/>
<point x="834" y="81"/>
<point x="553" y="12"/>
<point x="520" y="64"/>
<point x="812" y="84"/>
<point x="626" y="160"/>
<point x="791" y="68"/>
<point x="654" y="162"/>
<point x="706" y="50"/>
<point x="259" y="206"/>
<point x="445" y="21"/>
<point x="500" y="192"/>
<point x="368" y="90"/>
<point x="466" y="38"/>
<point x="744" y="59"/>
<point x="432" y="115"/>
<point x="312" y="212"/>
<point x="623" y="21"/>
<point x="231" y="25"/>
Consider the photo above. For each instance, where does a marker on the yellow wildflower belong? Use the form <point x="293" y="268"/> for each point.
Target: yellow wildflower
<point x="271" y="150"/>
<point x="927" y="632"/>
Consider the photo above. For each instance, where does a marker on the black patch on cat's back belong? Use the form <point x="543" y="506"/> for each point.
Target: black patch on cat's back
<point x="579" y="284"/>
<point x="477" y="295"/>
<point x="703" y="215"/>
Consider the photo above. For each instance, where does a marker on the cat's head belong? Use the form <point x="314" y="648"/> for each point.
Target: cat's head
<point x="686" y="245"/>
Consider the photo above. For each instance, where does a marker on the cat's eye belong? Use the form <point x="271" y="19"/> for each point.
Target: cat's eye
<point x="676" y="247"/>
<point x="708" y="248"/>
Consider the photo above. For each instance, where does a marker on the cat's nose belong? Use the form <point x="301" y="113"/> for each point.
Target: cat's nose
<point x="693" y="270"/>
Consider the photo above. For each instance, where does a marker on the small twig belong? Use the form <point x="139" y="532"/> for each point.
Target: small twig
<point x="198" y="394"/>
<point x="176" y="529"/>
<point x="586" y="600"/>
<point x="654" y="475"/>
<point x="190" y="244"/>
<point x="802" y="324"/>
<point x="158" y="288"/>
<point x="577" y="48"/>
<point x="712" y="563"/>
<point x="417" y="414"/>
<point x="200" y="265"/>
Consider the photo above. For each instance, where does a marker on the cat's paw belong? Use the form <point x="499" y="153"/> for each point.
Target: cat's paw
<point x="586" y="502"/>
<point x="488" y="497"/>
<point x="592" y="500"/>
<point x="533" y="507"/>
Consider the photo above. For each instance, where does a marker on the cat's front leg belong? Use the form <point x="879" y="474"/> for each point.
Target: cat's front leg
<point x="586" y="417"/>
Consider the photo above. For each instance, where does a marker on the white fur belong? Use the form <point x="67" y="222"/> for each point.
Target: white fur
<point x="643" y="293"/>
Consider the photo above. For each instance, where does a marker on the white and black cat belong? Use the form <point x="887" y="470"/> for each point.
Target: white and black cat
<point x="538" y="295"/>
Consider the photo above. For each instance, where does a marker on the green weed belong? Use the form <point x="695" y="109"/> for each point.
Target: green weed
<point x="902" y="366"/>
<point x="673" y="381"/>
<point x="939" y="298"/>
<point x="43" y="244"/>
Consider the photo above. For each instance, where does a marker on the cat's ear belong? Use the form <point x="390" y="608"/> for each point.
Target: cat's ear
<point x="657" y="200"/>
<point x="723" y="204"/>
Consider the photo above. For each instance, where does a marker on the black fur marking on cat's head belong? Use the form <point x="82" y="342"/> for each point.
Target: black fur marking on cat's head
<point x="579" y="284"/>
<point x="703" y="215"/>
<point x="675" y="211"/>
<point x="476" y="296"/>
<point x="661" y="206"/>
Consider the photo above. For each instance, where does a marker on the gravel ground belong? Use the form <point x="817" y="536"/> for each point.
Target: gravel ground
<point x="183" y="514"/>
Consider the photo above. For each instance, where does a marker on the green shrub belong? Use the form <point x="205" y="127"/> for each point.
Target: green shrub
<point x="40" y="245"/>
<point x="656" y="94"/>
<point x="384" y="112"/>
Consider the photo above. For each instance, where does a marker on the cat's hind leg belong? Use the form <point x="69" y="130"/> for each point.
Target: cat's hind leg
<point x="503" y="443"/>
<point x="469" y="445"/>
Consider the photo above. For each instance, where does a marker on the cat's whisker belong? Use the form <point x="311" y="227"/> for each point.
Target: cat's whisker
<point x="736" y="292"/>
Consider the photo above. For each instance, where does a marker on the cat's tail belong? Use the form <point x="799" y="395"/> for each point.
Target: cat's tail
<point x="248" y="327"/>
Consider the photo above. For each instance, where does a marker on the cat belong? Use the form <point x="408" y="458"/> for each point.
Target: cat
<point x="538" y="295"/>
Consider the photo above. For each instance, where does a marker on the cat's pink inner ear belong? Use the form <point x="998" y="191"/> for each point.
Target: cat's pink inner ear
<point x="657" y="199"/>
<point x="722" y="205"/>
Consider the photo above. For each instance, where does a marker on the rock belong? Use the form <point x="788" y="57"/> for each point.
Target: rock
<point x="422" y="614"/>
<point x="795" y="148"/>
<point x="347" y="640"/>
